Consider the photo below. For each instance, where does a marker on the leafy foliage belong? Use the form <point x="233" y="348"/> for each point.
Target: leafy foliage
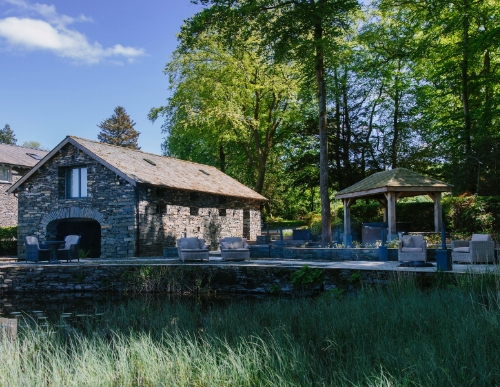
<point x="471" y="214"/>
<point x="8" y="242"/>
<point x="406" y="84"/>
<point x="306" y="278"/>
<point x="34" y="145"/>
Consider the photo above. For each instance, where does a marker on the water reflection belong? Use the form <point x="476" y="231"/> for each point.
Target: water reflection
<point x="57" y="308"/>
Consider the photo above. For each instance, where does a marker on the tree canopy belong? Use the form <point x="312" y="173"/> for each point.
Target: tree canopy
<point x="398" y="83"/>
<point x="229" y="106"/>
<point x="119" y="130"/>
<point x="34" y="145"/>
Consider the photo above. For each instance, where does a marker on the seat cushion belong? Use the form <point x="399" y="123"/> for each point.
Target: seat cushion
<point x="461" y="250"/>
<point x="411" y="249"/>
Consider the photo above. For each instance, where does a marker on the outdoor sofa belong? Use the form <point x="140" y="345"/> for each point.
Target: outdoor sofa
<point x="192" y="249"/>
<point x="480" y="249"/>
<point x="412" y="248"/>
<point x="234" y="249"/>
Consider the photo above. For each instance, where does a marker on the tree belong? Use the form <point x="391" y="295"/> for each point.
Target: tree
<point x="302" y="30"/>
<point x="34" y="145"/>
<point x="459" y="68"/>
<point x="119" y="130"/>
<point x="230" y="106"/>
<point x="7" y="135"/>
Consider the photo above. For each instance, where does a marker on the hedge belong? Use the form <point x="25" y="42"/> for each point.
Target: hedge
<point x="8" y="242"/>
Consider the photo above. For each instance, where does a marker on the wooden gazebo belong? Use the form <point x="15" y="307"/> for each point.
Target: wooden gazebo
<point x="387" y="187"/>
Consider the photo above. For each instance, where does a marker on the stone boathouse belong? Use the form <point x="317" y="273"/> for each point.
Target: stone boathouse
<point x="127" y="203"/>
<point x="15" y="161"/>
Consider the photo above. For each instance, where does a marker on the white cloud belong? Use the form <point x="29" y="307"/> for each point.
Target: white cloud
<point x="50" y="32"/>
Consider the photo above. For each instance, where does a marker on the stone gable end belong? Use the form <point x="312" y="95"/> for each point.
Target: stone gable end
<point x="132" y="221"/>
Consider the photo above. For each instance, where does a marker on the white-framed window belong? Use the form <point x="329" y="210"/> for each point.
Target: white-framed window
<point x="76" y="182"/>
<point x="5" y="174"/>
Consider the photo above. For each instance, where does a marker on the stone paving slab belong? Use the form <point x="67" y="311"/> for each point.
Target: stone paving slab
<point x="214" y="260"/>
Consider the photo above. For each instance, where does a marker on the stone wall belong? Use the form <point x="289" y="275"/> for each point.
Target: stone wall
<point x="110" y="201"/>
<point x="163" y="214"/>
<point x="8" y="202"/>
<point x="168" y="214"/>
<point x="182" y="278"/>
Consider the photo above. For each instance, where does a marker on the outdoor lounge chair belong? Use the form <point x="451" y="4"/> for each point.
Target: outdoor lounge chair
<point x="412" y="248"/>
<point x="192" y="249"/>
<point x="234" y="249"/>
<point x="34" y="250"/>
<point x="480" y="249"/>
<point x="71" y="249"/>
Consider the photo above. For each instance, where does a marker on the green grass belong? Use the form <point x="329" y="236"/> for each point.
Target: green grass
<point x="447" y="335"/>
<point x="275" y="225"/>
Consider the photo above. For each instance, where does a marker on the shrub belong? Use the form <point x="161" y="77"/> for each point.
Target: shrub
<point x="8" y="242"/>
<point x="473" y="213"/>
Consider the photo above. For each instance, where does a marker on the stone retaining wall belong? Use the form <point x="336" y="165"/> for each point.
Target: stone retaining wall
<point x="32" y="279"/>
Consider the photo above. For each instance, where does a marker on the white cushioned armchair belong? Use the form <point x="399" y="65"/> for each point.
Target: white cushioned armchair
<point x="234" y="249"/>
<point x="412" y="248"/>
<point x="192" y="249"/>
<point x="480" y="249"/>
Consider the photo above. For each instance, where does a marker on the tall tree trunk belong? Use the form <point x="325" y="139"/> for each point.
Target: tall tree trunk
<point x="347" y="131"/>
<point x="337" y="119"/>
<point x="326" y="235"/>
<point x="367" y="143"/>
<point x="395" y="127"/>
<point x="261" y="173"/>
<point x="222" y="158"/>
<point x="465" y="80"/>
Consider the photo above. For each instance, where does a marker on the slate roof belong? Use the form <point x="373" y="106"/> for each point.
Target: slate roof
<point x="394" y="180"/>
<point x="149" y="168"/>
<point x="18" y="155"/>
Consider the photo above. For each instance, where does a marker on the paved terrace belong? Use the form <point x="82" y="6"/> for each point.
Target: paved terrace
<point x="290" y="263"/>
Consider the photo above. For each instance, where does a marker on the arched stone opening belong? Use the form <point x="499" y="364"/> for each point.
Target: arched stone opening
<point x="88" y="229"/>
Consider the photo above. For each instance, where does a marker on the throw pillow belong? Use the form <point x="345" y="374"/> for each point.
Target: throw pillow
<point x="226" y="245"/>
<point x="237" y="245"/>
<point x="407" y="241"/>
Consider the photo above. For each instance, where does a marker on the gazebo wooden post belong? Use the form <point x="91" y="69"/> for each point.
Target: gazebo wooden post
<point x="438" y="210"/>
<point x="347" y="222"/>
<point x="391" y="215"/>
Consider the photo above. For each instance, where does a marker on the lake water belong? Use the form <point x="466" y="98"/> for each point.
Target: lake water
<point x="50" y="306"/>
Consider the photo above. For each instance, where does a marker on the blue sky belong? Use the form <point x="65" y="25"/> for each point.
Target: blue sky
<point x="65" y="65"/>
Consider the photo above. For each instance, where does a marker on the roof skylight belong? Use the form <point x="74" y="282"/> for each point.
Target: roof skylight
<point x="35" y="156"/>
<point x="149" y="161"/>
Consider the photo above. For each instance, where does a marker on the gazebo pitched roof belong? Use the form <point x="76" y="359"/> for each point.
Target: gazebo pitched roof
<point x="395" y="180"/>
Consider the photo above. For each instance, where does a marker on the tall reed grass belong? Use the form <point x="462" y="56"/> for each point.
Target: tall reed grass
<point x="446" y="335"/>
